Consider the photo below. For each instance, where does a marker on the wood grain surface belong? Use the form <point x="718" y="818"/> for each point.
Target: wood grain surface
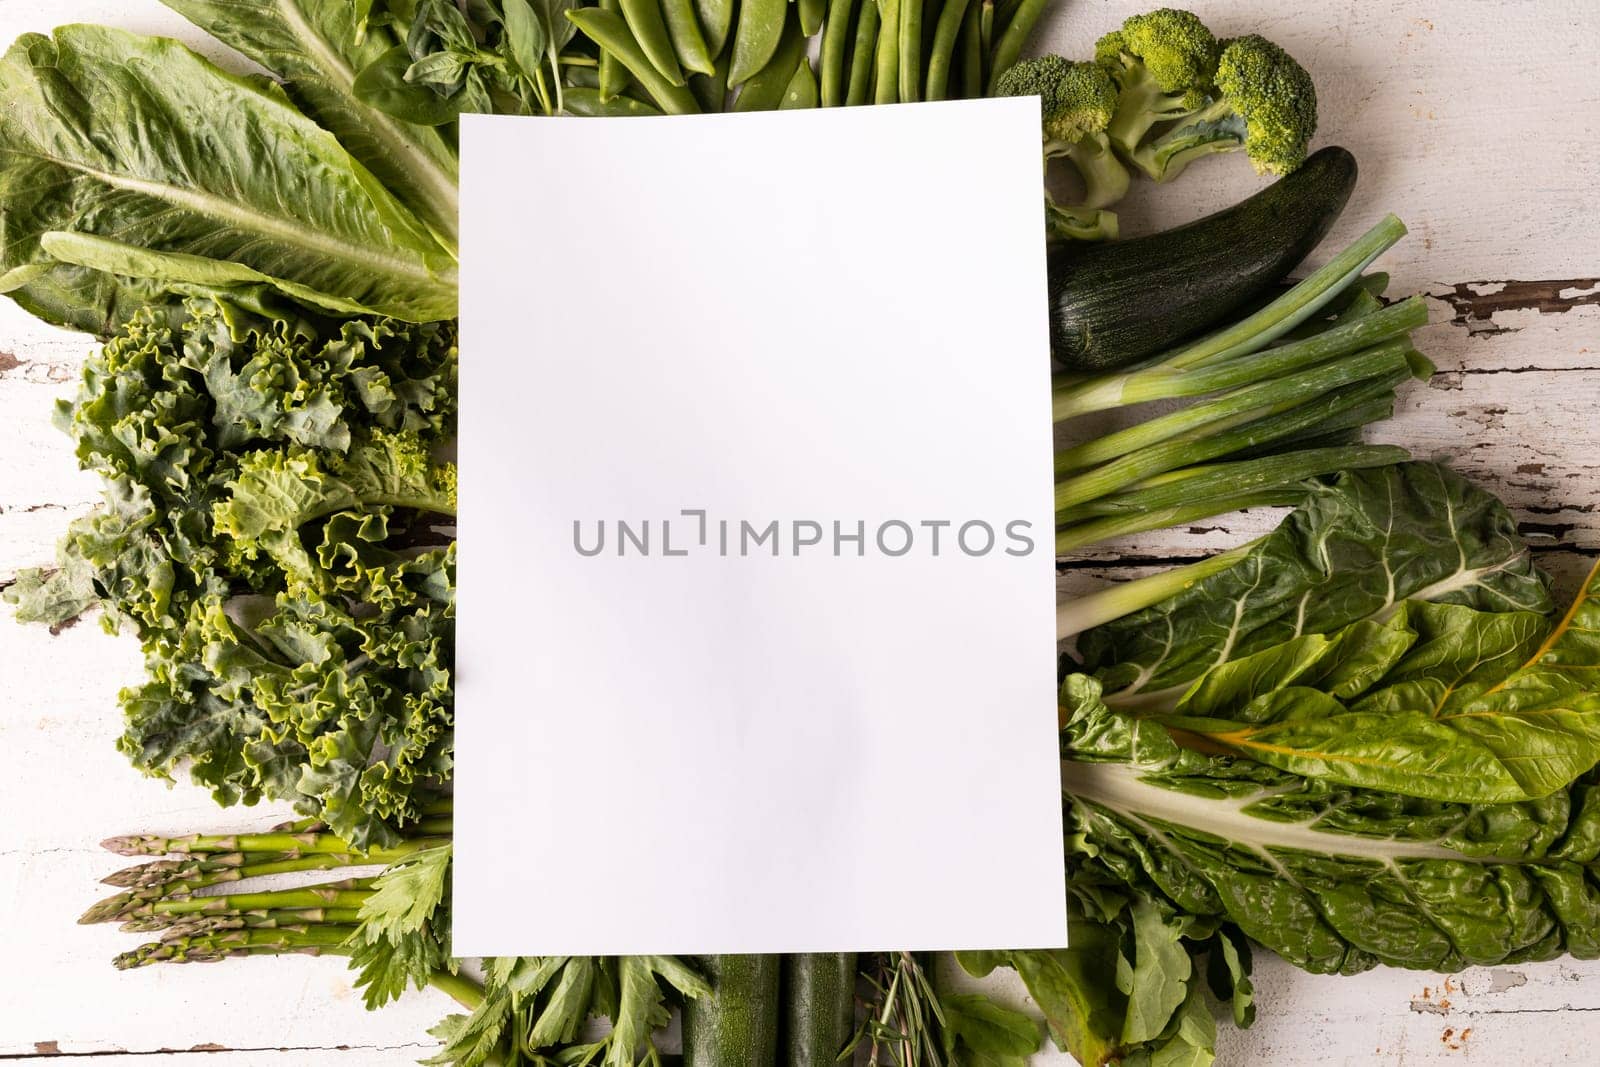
<point x="1475" y="121"/>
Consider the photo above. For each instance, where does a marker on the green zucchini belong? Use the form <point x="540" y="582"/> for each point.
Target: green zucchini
<point x="737" y="1026"/>
<point x="819" y="1007"/>
<point x="1116" y="303"/>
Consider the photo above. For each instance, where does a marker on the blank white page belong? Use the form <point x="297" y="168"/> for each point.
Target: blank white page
<point x="756" y="645"/>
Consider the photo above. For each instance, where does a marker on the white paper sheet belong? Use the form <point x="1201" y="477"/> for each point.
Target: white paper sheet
<point x="706" y="325"/>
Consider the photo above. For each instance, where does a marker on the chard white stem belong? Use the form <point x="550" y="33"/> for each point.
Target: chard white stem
<point x="1076" y="614"/>
<point x="1122" y="789"/>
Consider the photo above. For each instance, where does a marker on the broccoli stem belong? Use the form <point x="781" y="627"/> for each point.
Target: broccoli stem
<point x="1105" y="179"/>
<point x="1161" y="382"/>
<point x="1078" y="224"/>
<point x="1214" y="128"/>
<point x="1140" y="105"/>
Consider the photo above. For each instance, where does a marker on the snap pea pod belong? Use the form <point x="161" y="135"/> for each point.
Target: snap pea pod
<point x="650" y="31"/>
<point x="802" y="90"/>
<point x="764" y="90"/>
<point x="687" y="42"/>
<point x="945" y="31"/>
<point x="858" y="89"/>
<point x="756" y="37"/>
<point x="613" y="75"/>
<point x="588" y="103"/>
<point x="712" y="89"/>
<point x="811" y="12"/>
<point x="910" y="64"/>
<point x="716" y="19"/>
<point x="887" y="75"/>
<point x="971" y="47"/>
<point x="610" y="32"/>
<point x="1008" y="49"/>
<point x="581" y="78"/>
<point x="835" y="42"/>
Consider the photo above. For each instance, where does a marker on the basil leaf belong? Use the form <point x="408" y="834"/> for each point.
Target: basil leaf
<point x="383" y="85"/>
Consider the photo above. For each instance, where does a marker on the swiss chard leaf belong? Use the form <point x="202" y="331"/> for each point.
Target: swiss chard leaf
<point x="1357" y="548"/>
<point x="1474" y="707"/>
<point x="1339" y="871"/>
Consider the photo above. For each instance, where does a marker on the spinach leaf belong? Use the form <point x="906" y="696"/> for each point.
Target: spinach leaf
<point x="1358" y="547"/>
<point x="128" y="156"/>
<point x="320" y="48"/>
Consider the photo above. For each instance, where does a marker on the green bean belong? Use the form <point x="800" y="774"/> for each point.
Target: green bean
<point x="764" y="90"/>
<point x="1009" y="48"/>
<point x="858" y="90"/>
<point x="716" y="19"/>
<point x="811" y="12"/>
<point x="944" y="46"/>
<point x="971" y="52"/>
<point x="613" y="75"/>
<point x="587" y="102"/>
<point x="835" y="40"/>
<point x="802" y="90"/>
<point x="887" y="75"/>
<point x="645" y="23"/>
<point x="756" y="38"/>
<point x="712" y="89"/>
<point x="610" y="32"/>
<point x="986" y="34"/>
<point x="910" y="50"/>
<point x="684" y="30"/>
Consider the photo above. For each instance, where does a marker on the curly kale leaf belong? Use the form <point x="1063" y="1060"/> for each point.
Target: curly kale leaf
<point x="276" y="530"/>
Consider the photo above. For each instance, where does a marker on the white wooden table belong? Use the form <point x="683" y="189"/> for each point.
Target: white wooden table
<point x="1474" y="120"/>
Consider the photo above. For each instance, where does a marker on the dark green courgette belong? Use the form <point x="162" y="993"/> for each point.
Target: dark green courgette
<point x="819" y="1007"/>
<point x="737" y="1025"/>
<point x="1116" y="303"/>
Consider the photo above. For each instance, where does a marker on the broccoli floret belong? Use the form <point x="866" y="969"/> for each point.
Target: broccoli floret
<point x="1076" y="102"/>
<point x="1265" y="104"/>
<point x="1164" y="63"/>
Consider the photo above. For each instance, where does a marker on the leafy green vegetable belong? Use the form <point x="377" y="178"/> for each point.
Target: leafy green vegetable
<point x="403" y="936"/>
<point x="1346" y="798"/>
<point x="133" y="157"/>
<point x="1122" y="992"/>
<point x="1338" y="869"/>
<point x="320" y="48"/>
<point x="278" y="535"/>
<point x="1360" y="544"/>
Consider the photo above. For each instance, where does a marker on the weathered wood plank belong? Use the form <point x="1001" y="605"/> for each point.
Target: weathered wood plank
<point x="1474" y="122"/>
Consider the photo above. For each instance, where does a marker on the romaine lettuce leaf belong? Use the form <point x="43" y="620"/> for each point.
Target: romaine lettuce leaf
<point x="134" y="168"/>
